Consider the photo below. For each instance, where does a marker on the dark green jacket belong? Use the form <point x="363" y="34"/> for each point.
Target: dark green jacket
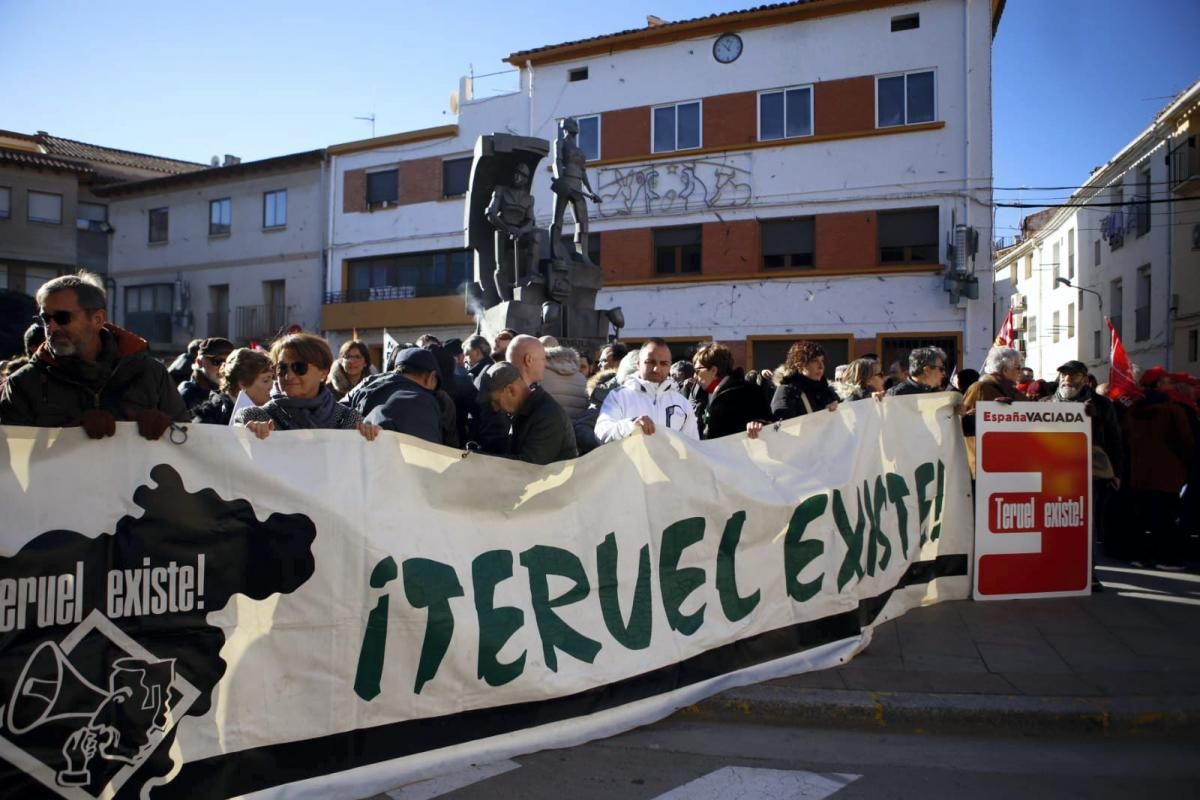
<point x="51" y="392"/>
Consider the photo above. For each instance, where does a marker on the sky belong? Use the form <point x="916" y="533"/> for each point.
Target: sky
<point x="1073" y="80"/>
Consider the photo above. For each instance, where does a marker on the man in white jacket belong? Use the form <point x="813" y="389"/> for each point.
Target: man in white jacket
<point x="647" y="401"/>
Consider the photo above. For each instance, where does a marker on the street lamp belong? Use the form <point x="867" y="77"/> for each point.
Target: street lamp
<point x="1099" y="299"/>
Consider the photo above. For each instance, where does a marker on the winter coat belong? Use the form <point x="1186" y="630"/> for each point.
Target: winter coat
<point x="344" y="418"/>
<point x="196" y="390"/>
<point x="396" y="403"/>
<point x="733" y="404"/>
<point x="216" y="410"/>
<point x="564" y="382"/>
<point x="542" y="431"/>
<point x="909" y="386"/>
<point x="1161" y="447"/>
<point x="794" y="389"/>
<point x="50" y="392"/>
<point x="661" y="402"/>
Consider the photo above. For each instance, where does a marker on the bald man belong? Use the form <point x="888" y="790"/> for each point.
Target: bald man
<point x="528" y="355"/>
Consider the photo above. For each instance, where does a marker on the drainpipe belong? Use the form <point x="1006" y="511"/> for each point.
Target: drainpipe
<point x="328" y="266"/>
<point x="529" y="68"/>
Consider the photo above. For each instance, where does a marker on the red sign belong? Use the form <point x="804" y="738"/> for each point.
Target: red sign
<point x="1033" y="500"/>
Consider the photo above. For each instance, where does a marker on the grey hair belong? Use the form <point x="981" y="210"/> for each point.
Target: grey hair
<point x="88" y="288"/>
<point x="480" y="343"/>
<point x="923" y="357"/>
<point x="1000" y="358"/>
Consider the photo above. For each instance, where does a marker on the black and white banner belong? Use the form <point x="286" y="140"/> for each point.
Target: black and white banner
<point x="315" y="615"/>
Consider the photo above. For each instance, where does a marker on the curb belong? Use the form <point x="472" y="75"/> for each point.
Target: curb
<point x="953" y="713"/>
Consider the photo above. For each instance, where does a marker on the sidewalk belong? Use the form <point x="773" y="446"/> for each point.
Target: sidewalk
<point x="1125" y="660"/>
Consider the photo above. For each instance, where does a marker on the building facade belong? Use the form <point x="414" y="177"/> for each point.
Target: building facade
<point x="234" y="251"/>
<point x="798" y="171"/>
<point x="1111" y="251"/>
<point x="51" y="219"/>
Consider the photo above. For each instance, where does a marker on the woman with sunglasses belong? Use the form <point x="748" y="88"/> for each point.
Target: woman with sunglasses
<point x="301" y="400"/>
<point x="863" y="378"/>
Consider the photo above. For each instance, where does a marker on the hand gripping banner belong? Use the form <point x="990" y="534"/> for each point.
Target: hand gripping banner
<point x="315" y="615"/>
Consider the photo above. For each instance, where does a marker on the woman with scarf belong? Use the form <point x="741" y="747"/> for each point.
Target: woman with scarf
<point x="802" y="386"/>
<point x="732" y="403"/>
<point x="301" y="400"/>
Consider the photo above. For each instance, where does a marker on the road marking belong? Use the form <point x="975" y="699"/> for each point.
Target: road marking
<point x="776" y="784"/>
<point x="444" y="784"/>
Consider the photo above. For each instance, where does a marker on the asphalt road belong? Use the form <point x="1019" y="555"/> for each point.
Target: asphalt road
<point x="699" y="760"/>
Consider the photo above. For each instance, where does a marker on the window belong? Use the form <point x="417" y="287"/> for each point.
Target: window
<point x="1096" y="345"/>
<point x="456" y="175"/>
<point x="785" y="113"/>
<point x="275" y="209"/>
<point x="577" y="74"/>
<point x="5" y="202"/>
<point x="219" y="214"/>
<point x="1070" y="320"/>
<point x="1116" y="303"/>
<point x="1116" y="197"/>
<point x="218" y="310"/>
<point x="150" y="297"/>
<point x="1141" y="312"/>
<point x="1057" y="254"/>
<point x="1031" y="329"/>
<point x="396" y="277"/>
<point x="787" y="243"/>
<point x="589" y="136"/>
<point x="383" y="188"/>
<point x="1143" y="206"/>
<point x="677" y="250"/>
<point x="1193" y="346"/>
<point x="908" y="237"/>
<point x="158" y="225"/>
<point x="905" y="99"/>
<point x="1071" y="254"/>
<point x="906" y="22"/>
<point x="45" y="207"/>
<point x="1029" y="266"/>
<point x="676" y="127"/>
<point x="1055" y="327"/>
<point x="1096" y="254"/>
<point x="90" y="216"/>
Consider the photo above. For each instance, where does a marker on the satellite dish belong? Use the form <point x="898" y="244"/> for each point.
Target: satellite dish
<point x="454" y="102"/>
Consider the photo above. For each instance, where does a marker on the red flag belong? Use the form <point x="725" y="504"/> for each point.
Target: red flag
<point x="1007" y="337"/>
<point x="1122" y="387"/>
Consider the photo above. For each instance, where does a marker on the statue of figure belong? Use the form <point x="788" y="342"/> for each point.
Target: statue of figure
<point x="570" y="186"/>
<point x="517" y="237"/>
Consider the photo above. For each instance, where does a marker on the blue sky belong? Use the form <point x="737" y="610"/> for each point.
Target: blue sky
<point x="1073" y="80"/>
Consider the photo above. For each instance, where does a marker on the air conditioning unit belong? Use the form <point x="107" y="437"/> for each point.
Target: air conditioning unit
<point x="1019" y="321"/>
<point x="1018" y="302"/>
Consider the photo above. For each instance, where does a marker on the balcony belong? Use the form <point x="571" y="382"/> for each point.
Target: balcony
<point x="262" y="323"/>
<point x="1185" y="164"/>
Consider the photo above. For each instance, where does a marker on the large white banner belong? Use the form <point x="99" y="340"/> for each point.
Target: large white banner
<point x="315" y="615"/>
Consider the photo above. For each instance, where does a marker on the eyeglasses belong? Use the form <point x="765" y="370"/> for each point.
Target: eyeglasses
<point x="298" y="368"/>
<point x="216" y="361"/>
<point x="60" y="317"/>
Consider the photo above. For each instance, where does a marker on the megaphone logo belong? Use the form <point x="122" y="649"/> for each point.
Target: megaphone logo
<point x="118" y="724"/>
<point x="51" y="689"/>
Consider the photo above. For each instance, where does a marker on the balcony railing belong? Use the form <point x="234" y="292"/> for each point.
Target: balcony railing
<point x="218" y="323"/>
<point x="1185" y="162"/>
<point x="262" y="323"/>
<point x="376" y="293"/>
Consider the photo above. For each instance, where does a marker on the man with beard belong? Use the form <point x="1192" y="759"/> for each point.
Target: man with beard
<point x="647" y="401"/>
<point x="89" y="372"/>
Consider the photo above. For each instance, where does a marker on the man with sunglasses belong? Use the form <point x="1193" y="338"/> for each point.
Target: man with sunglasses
<point x="926" y="372"/>
<point x="89" y="372"/>
<point x="206" y="372"/>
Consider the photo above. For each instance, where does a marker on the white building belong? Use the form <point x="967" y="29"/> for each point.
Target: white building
<point x="792" y="171"/>
<point x="1116" y="240"/>
<point x="234" y="251"/>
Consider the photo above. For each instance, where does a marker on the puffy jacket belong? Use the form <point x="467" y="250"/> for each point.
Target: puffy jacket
<point x="50" y="392"/>
<point x="794" y="389"/>
<point x="564" y="382"/>
<point x="661" y="402"/>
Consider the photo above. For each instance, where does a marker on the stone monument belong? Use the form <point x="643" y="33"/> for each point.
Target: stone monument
<point x="524" y="279"/>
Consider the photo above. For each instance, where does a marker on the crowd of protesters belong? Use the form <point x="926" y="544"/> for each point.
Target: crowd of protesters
<point x="531" y="399"/>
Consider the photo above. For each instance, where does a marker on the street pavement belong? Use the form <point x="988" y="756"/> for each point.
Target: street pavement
<point x="1092" y="697"/>
<point x="1124" y="660"/>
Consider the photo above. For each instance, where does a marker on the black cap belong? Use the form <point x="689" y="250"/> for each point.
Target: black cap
<point x="1074" y="367"/>
<point x="216" y="346"/>
<point x="495" y="378"/>
<point x="417" y="359"/>
<point x="453" y="347"/>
